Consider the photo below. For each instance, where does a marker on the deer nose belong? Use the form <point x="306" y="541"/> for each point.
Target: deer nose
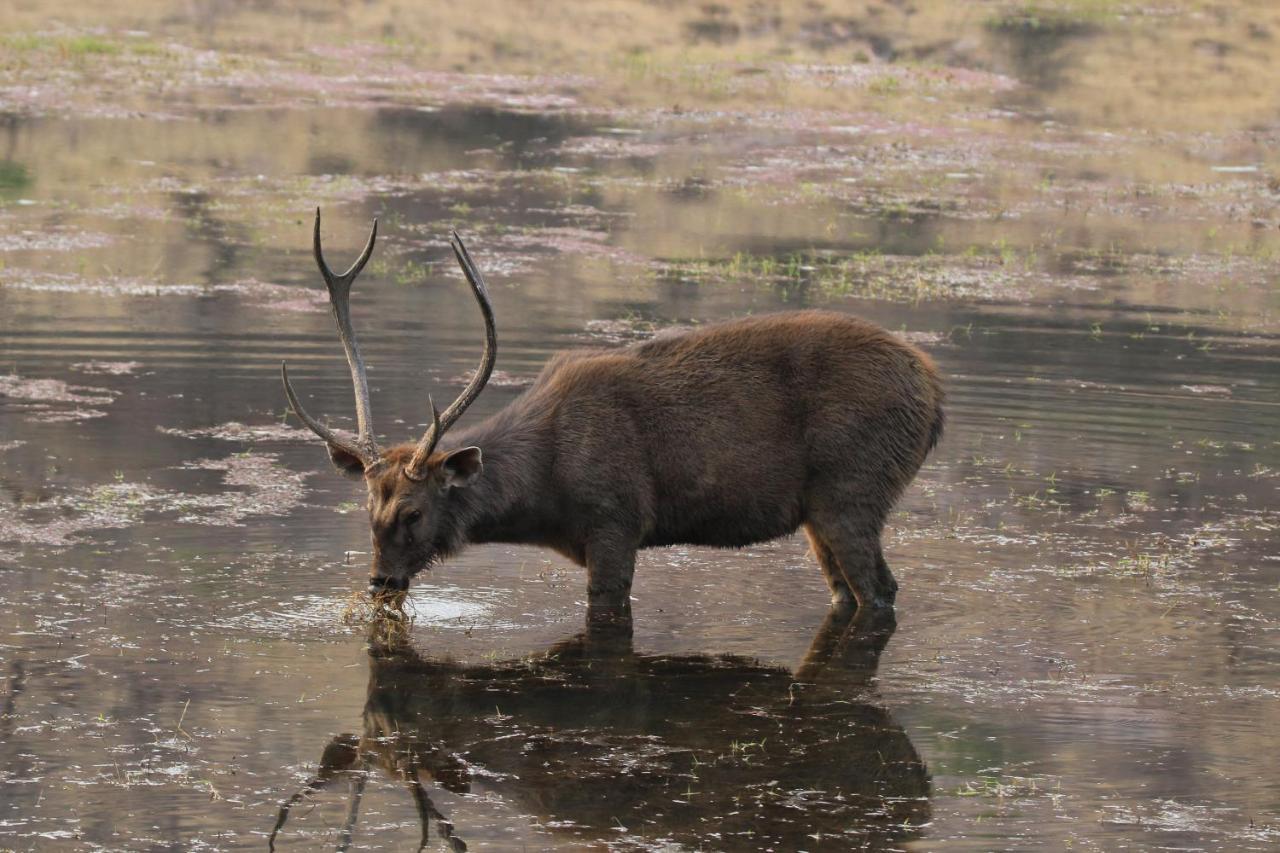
<point x="379" y="585"/>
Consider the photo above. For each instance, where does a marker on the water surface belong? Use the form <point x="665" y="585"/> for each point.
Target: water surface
<point x="1085" y="642"/>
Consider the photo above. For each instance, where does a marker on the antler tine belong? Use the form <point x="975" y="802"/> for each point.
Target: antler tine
<point x="469" y="394"/>
<point x="353" y="447"/>
<point x="412" y="469"/>
<point x="481" y="292"/>
<point x="349" y="276"/>
<point x="364" y="447"/>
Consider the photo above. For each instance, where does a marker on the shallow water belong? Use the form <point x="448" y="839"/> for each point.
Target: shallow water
<point x="1085" y="649"/>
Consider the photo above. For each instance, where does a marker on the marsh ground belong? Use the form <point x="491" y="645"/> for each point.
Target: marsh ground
<point x="1072" y="205"/>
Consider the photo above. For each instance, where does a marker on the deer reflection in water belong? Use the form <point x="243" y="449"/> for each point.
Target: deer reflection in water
<point x="591" y="736"/>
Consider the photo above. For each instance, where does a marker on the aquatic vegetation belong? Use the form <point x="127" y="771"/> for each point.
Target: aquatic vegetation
<point x="268" y="489"/>
<point x="387" y="619"/>
<point x="275" y="296"/>
<point x="258" y="486"/>
<point x="53" y="400"/>
<point x="498" y="379"/>
<point x="53" y="241"/>
<point x="872" y="275"/>
<point x="107" y="368"/>
<point x="236" y="431"/>
<point x="621" y="330"/>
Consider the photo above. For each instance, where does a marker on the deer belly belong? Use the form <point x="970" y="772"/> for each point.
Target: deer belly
<point x="727" y="524"/>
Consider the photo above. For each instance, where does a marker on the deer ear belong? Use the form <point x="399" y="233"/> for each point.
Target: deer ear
<point x="350" y="465"/>
<point x="462" y="467"/>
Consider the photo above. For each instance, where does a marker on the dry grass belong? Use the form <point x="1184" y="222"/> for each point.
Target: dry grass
<point x="706" y="55"/>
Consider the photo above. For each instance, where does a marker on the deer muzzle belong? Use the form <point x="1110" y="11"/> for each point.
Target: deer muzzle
<point x="383" y="585"/>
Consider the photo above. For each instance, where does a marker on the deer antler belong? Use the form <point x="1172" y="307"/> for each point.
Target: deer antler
<point x="364" y="447"/>
<point x="440" y="423"/>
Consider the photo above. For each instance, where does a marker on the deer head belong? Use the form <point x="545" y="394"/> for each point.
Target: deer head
<point x="410" y="486"/>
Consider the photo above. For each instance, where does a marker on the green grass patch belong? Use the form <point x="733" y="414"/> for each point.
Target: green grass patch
<point x="88" y="46"/>
<point x="1061" y="18"/>
<point x="864" y="274"/>
<point x="67" y="46"/>
<point x="26" y="42"/>
<point x="406" y="271"/>
<point x="15" y="178"/>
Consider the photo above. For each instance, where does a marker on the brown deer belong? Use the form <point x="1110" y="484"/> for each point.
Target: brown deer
<point x="727" y="435"/>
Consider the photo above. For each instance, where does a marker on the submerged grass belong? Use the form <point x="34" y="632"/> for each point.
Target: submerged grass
<point x="387" y="618"/>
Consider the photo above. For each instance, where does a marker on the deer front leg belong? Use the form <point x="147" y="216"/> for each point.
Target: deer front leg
<point x="611" y="563"/>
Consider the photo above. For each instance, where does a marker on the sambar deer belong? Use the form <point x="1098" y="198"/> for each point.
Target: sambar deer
<point x="727" y="435"/>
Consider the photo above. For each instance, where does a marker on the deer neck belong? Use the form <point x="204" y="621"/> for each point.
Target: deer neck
<point x="506" y="504"/>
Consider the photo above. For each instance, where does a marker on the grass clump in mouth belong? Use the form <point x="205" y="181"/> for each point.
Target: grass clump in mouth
<point x="388" y="617"/>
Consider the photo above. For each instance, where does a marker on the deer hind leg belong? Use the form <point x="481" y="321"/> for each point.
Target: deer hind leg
<point x="854" y="545"/>
<point x="841" y="592"/>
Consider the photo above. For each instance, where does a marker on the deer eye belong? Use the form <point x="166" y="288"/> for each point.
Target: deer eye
<point x="413" y="517"/>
